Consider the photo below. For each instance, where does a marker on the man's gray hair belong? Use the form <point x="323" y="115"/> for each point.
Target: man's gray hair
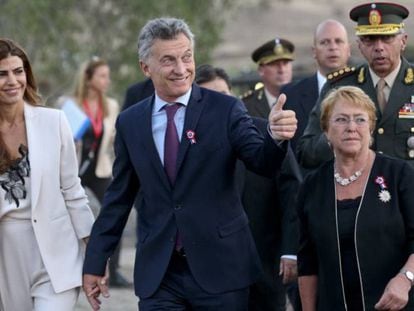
<point x="164" y="28"/>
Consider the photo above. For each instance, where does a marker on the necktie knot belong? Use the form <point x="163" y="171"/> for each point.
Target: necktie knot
<point x="171" y="110"/>
<point x="381" y="84"/>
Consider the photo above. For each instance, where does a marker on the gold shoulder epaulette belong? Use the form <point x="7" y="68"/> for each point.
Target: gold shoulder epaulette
<point x="258" y="86"/>
<point x="339" y="74"/>
<point x="247" y="94"/>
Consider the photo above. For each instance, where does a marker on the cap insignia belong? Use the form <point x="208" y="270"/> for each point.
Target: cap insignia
<point x="361" y="75"/>
<point x="278" y="47"/>
<point x="409" y="76"/>
<point x="374" y="17"/>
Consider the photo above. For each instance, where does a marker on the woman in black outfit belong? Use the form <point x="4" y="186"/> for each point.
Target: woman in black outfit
<point x="357" y="217"/>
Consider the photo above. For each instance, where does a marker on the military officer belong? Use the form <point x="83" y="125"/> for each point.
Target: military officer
<point x="265" y="200"/>
<point x="274" y="61"/>
<point x="387" y="78"/>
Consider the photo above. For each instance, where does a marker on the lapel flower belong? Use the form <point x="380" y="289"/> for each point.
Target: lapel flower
<point x="191" y="136"/>
<point x="384" y="195"/>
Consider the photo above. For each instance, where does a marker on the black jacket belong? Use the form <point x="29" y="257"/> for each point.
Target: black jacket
<point x="384" y="235"/>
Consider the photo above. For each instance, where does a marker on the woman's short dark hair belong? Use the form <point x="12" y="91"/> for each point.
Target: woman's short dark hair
<point x="206" y="73"/>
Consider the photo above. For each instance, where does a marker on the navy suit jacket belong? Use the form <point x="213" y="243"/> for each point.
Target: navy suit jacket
<point x="204" y="203"/>
<point x="301" y="97"/>
<point x="137" y="92"/>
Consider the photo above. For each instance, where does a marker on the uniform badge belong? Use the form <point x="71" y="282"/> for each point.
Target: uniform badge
<point x="409" y="76"/>
<point x="406" y="111"/>
<point x="278" y="47"/>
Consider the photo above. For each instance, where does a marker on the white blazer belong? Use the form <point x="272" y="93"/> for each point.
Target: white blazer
<point x="61" y="216"/>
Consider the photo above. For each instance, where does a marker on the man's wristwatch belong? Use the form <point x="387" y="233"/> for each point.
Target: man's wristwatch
<point x="409" y="275"/>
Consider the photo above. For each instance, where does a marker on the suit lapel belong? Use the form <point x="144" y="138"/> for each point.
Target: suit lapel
<point x="309" y="95"/>
<point x="263" y="108"/>
<point x="192" y="115"/>
<point x="34" y="133"/>
<point x="148" y="139"/>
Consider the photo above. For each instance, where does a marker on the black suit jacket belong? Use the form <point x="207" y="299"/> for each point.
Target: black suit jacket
<point x="384" y="231"/>
<point x="137" y="92"/>
<point x="204" y="203"/>
<point x="301" y="97"/>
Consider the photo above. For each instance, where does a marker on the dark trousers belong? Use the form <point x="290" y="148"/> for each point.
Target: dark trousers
<point x="180" y="292"/>
<point x="267" y="294"/>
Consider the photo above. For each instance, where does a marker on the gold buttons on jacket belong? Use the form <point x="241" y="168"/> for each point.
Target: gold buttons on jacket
<point x="380" y="131"/>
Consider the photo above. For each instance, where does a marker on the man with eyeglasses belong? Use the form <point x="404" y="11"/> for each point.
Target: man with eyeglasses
<point x="387" y="78"/>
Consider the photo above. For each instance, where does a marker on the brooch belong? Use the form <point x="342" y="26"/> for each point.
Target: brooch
<point x="384" y="195"/>
<point x="191" y="136"/>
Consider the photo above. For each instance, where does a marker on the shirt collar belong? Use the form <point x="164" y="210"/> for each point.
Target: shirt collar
<point x="183" y="100"/>
<point x="321" y="80"/>
<point x="271" y="100"/>
<point x="388" y="79"/>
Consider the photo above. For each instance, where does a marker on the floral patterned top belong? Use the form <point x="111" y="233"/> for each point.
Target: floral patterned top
<point x="14" y="181"/>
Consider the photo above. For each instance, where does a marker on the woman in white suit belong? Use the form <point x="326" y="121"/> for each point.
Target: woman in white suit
<point x="44" y="215"/>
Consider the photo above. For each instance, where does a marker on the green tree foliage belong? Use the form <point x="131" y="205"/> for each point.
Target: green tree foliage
<point x="61" y="34"/>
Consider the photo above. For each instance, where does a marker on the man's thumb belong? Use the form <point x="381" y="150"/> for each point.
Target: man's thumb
<point x="280" y="102"/>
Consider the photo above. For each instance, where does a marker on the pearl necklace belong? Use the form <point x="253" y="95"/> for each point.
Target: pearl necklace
<point x="346" y="181"/>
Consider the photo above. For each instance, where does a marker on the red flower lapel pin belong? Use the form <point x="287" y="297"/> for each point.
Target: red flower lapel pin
<point x="191" y="136"/>
<point x="384" y="195"/>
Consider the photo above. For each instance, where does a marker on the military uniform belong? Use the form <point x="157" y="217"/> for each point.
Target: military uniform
<point x="277" y="49"/>
<point x="256" y="103"/>
<point x="265" y="200"/>
<point x="394" y="133"/>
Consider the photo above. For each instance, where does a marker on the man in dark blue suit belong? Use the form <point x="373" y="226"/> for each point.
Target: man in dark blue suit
<point x="331" y="50"/>
<point x="195" y="249"/>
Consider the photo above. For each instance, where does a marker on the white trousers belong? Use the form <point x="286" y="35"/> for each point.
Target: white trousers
<point x="24" y="282"/>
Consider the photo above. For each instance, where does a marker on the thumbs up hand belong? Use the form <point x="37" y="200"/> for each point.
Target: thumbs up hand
<point x="282" y="123"/>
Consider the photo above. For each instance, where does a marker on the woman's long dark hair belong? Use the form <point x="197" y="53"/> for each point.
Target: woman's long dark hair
<point x="31" y="96"/>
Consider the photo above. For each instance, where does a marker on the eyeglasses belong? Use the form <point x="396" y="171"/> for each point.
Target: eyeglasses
<point x="371" y="39"/>
<point x="345" y="121"/>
